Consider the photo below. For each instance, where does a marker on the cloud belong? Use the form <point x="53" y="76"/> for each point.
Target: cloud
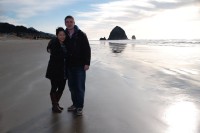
<point x="131" y="9"/>
<point x="129" y="13"/>
<point x="7" y="19"/>
<point x="172" y="4"/>
<point x="116" y="12"/>
<point x="117" y="9"/>
<point x="22" y="9"/>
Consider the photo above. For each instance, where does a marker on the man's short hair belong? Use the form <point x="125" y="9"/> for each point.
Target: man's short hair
<point x="69" y="16"/>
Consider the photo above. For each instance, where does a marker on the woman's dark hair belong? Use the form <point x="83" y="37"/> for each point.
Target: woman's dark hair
<point x="59" y="29"/>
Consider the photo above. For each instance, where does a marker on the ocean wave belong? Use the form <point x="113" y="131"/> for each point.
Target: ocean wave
<point x="166" y="42"/>
<point x="178" y="43"/>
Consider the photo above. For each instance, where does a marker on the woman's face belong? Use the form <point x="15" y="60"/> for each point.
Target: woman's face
<point x="61" y="36"/>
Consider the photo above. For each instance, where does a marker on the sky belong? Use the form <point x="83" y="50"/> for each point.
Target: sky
<point x="146" y="19"/>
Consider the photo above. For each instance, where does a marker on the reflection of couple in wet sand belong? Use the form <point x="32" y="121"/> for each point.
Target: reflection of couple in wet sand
<point x="117" y="47"/>
<point x="70" y="56"/>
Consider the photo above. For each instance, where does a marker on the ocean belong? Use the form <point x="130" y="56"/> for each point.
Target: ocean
<point x="167" y="72"/>
<point x="172" y="63"/>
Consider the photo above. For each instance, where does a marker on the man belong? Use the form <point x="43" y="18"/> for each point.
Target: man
<point x="79" y="55"/>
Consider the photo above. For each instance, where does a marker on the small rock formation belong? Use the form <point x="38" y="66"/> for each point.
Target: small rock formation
<point x="133" y="37"/>
<point x="102" y="38"/>
<point x="117" y="34"/>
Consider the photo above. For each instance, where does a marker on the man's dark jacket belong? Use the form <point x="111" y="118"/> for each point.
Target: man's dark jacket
<point x="78" y="48"/>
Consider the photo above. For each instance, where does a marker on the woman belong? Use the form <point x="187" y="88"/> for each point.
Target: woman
<point x="56" y="68"/>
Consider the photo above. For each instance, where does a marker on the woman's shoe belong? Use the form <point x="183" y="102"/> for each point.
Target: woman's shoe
<point x="55" y="105"/>
<point x="61" y="108"/>
<point x="58" y="96"/>
<point x="56" y="109"/>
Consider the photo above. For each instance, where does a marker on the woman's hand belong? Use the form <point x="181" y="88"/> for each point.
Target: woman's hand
<point x="49" y="50"/>
<point x="86" y="67"/>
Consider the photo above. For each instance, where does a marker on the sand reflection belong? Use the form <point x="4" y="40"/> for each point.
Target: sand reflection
<point x="181" y="117"/>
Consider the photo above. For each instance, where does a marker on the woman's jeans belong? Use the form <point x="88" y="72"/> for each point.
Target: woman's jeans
<point x="76" y="82"/>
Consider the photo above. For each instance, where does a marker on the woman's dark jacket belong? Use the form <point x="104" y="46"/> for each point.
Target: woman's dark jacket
<point x="56" y="68"/>
<point x="78" y="48"/>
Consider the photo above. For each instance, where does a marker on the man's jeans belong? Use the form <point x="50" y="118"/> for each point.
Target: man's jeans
<point x="76" y="82"/>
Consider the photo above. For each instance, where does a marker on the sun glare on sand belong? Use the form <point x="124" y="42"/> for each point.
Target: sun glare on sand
<point x="181" y="117"/>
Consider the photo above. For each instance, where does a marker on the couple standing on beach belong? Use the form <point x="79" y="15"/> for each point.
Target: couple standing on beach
<point x="70" y="56"/>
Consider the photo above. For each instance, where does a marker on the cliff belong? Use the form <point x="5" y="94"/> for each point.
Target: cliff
<point x="24" y="32"/>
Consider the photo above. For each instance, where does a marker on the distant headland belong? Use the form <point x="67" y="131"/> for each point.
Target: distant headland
<point x="23" y="32"/>
<point x="117" y="34"/>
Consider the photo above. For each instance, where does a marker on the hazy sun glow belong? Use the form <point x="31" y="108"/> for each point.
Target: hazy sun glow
<point x="181" y="23"/>
<point x="181" y="117"/>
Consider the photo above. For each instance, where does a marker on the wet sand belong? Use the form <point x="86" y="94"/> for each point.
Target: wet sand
<point x="122" y="96"/>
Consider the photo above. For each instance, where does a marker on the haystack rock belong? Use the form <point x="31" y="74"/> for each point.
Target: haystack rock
<point x="117" y="34"/>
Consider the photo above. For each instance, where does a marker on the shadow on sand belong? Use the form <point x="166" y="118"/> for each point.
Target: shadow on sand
<point x="48" y="122"/>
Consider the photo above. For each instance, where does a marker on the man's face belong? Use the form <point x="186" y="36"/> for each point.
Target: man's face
<point x="69" y="23"/>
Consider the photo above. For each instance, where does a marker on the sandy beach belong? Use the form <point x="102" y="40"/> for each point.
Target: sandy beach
<point x="130" y="88"/>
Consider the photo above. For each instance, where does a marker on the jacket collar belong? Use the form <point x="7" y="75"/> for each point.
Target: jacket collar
<point x="76" y="29"/>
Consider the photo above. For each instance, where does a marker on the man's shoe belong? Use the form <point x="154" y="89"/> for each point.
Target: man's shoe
<point x="71" y="108"/>
<point x="79" y="112"/>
